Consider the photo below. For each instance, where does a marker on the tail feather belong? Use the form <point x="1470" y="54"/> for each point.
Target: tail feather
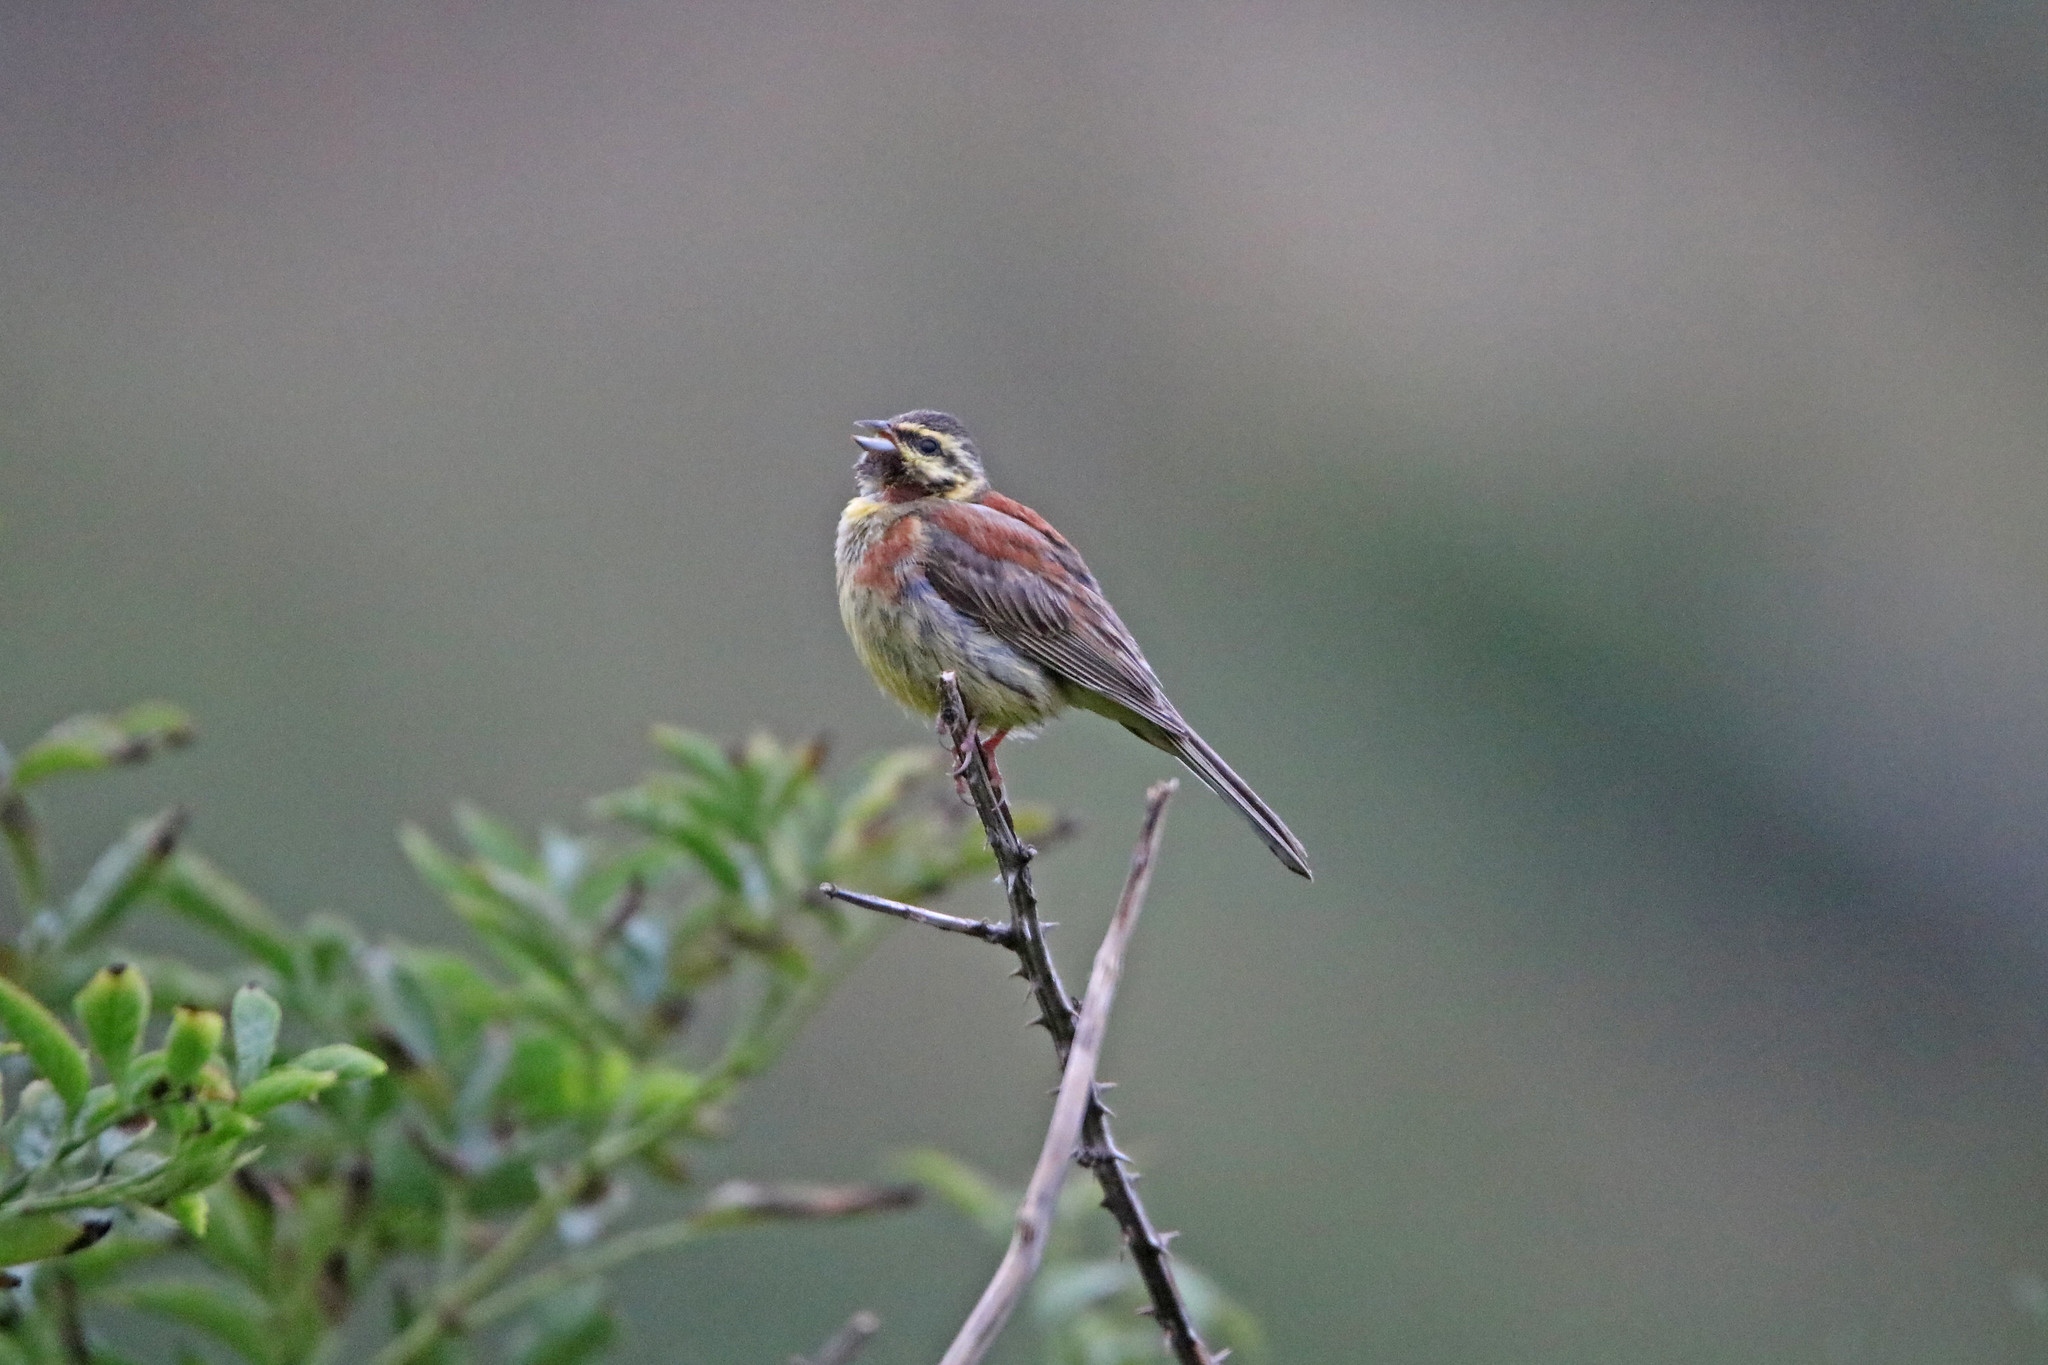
<point x="1205" y="763"/>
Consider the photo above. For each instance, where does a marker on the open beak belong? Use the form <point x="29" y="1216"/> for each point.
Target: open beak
<point x="878" y="444"/>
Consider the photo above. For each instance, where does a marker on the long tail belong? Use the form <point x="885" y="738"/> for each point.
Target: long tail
<point x="1205" y="763"/>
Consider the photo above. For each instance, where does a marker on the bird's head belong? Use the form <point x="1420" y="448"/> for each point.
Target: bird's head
<point x="920" y="453"/>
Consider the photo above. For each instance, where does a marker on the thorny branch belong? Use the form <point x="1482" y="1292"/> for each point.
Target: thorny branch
<point x="1077" y="1092"/>
<point x="1058" y="1012"/>
<point x="998" y="934"/>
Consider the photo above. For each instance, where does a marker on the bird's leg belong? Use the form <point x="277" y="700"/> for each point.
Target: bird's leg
<point x="988" y="754"/>
<point x="959" y="756"/>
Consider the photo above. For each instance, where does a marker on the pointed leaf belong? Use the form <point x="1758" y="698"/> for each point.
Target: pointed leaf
<point x="493" y="841"/>
<point x="90" y="742"/>
<point x="347" y="1061"/>
<point x="193" y="1039"/>
<point x="43" y="1235"/>
<point x="255" y="1018"/>
<point x="283" y="1086"/>
<point x="37" y="1126"/>
<point x="698" y="753"/>
<point x="201" y="892"/>
<point x="112" y="1010"/>
<point x="56" y="1057"/>
<point x="120" y="876"/>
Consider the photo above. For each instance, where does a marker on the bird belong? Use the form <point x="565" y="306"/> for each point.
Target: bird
<point x="938" y="572"/>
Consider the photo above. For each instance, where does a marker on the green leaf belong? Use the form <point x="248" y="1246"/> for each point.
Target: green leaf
<point x="202" y="893"/>
<point x="661" y="1094"/>
<point x="37" y="1127"/>
<point x="493" y="841"/>
<point x="112" y="1009"/>
<point x="547" y="1078"/>
<point x="446" y="874"/>
<point x="193" y="1039"/>
<point x="884" y="787"/>
<point x="461" y="997"/>
<point x="702" y="845"/>
<point x="119" y="877"/>
<point x="699" y="754"/>
<point x="90" y="742"/>
<point x="102" y="1106"/>
<point x="283" y="1086"/>
<point x="159" y="723"/>
<point x="40" y="1236"/>
<point x="234" y="1317"/>
<point x="331" y="944"/>
<point x="255" y="1018"/>
<point x="520" y="941"/>
<point x="402" y="1005"/>
<point x="347" y="1061"/>
<point x="24" y="848"/>
<point x="56" y="1057"/>
<point x="548" y="911"/>
<point x="78" y="744"/>
<point x="191" y="1211"/>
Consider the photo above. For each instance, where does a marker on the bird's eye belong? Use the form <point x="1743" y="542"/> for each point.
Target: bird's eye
<point x="926" y="445"/>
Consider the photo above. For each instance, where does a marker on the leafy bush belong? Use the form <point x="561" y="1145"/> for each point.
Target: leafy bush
<point x="474" y="1120"/>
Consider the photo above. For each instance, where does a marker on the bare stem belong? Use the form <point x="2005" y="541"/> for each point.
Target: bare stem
<point x="998" y="934"/>
<point x="1076" y="1097"/>
<point x="734" y="1204"/>
<point x="1098" y="1145"/>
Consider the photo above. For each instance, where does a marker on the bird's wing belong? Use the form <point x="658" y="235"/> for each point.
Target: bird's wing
<point x="1023" y="583"/>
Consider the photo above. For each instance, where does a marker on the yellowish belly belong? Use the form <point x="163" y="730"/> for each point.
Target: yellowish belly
<point x="909" y="641"/>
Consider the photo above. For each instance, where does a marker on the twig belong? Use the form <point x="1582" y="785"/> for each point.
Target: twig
<point x="846" y="1343"/>
<point x="987" y="932"/>
<point x="734" y="1204"/>
<point x="1098" y="1146"/>
<point x="751" y="1201"/>
<point x="1076" y="1097"/>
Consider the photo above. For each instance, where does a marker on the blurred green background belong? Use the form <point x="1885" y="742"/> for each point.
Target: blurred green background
<point x="1582" y="462"/>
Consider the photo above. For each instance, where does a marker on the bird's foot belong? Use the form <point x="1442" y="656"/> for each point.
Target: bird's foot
<point x="961" y="762"/>
<point x="988" y="756"/>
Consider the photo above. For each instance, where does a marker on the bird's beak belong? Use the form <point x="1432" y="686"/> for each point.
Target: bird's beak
<point x="879" y="445"/>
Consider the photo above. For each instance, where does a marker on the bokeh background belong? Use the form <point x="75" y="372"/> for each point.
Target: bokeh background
<point x="1582" y="461"/>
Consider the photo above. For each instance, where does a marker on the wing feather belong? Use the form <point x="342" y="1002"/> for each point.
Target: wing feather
<point x="1031" y="590"/>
